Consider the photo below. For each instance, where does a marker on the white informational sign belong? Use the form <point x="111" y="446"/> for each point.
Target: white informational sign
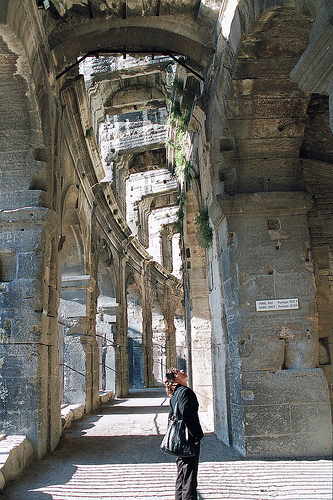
<point x="275" y="305"/>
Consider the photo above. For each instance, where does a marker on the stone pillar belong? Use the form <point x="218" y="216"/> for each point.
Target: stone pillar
<point x="29" y="376"/>
<point x="279" y="402"/>
<point x="169" y="309"/>
<point x="167" y="233"/>
<point x="147" y="330"/>
<point x="144" y="209"/>
<point x="110" y="359"/>
<point x="198" y="318"/>
<point x="107" y="329"/>
<point x="121" y="336"/>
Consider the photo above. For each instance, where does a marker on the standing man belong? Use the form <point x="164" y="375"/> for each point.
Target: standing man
<point x="187" y="468"/>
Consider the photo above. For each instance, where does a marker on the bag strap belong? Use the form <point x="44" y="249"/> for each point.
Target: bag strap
<point x="175" y="413"/>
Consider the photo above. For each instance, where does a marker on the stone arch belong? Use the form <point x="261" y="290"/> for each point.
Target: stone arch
<point x="265" y="109"/>
<point x="141" y="37"/>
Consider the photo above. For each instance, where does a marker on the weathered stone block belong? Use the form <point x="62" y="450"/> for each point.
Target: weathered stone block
<point x="298" y="285"/>
<point x="298" y="386"/>
<point x="262" y="353"/>
<point x="307" y="419"/>
<point x="26" y="294"/>
<point x="282" y="400"/>
<point x="299" y="445"/>
<point x="15" y="327"/>
<point x="272" y="420"/>
<point x="28" y="264"/>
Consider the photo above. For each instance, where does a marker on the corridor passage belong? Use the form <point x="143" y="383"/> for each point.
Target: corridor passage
<point x="114" y="454"/>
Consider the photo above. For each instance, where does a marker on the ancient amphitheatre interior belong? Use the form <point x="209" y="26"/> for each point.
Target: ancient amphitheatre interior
<point x="166" y="197"/>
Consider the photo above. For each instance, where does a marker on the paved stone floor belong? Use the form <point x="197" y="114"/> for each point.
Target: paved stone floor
<point x="114" y="454"/>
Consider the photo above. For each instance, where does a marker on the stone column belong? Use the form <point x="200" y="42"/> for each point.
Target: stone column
<point x="121" y="336"/>
<point x="147" y="329"/>
<point x="108" y="329"/>
<point x="167" y="233"/>
<point x="169" y="309"/>
<point x="29" y="375"/>
<point x="144" y="210"/>
<point x="279" y="403"/>
<point x="198" y="318"/>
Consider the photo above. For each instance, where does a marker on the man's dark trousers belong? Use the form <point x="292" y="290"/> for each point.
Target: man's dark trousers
<point x="187" y="472"/>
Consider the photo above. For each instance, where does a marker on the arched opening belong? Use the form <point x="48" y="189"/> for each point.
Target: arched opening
<point x="72" y="314"/>
<point x="106" y="325"/>
<point x="93" y="165"/>
<point x="135" y="338"/>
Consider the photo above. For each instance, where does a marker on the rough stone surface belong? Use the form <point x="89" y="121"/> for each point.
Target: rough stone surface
<point x="15" y="454"/>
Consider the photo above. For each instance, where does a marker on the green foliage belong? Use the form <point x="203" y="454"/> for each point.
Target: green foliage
<point x="120" y="220"/>
<point x="206" y="231"/>
<point x="178" y="120"/>
<point x="187" y="172"/>
<point x="179" y="155"/>
<point x="90" y="133"/>
<point x="184" y="121"/>
<point x="177" y="85"/>
<point x="115" y="211"/>
<point x="175" y="111"/>
<point x="180" y="213"/>
<point x="178" y="225"/>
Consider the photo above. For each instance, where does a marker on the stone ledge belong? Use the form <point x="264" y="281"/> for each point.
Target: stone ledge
<point x="15" y="454"/>
<point x="70" y="413"/>
<point x="75" y="412"/>
<point x="105" y="397"/>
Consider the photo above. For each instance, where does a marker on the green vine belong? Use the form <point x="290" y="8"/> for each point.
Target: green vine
<point x="90" y="133"/>
<point x="187" y="172"/>
<point x="176" y="111"/>
<point x="180" y="213"/>
<point x="176" y="85"/>
<point x="206" y="231"/>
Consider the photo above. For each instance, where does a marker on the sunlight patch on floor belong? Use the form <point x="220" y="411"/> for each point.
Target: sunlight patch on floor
<point x="234" y="480"/>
